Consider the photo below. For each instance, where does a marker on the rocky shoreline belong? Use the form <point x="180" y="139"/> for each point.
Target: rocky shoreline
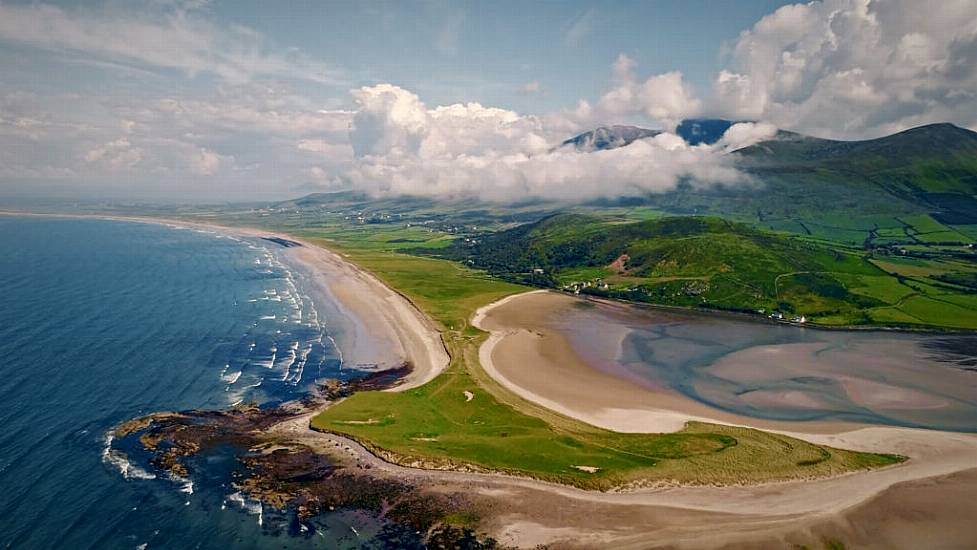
<point x="293" y="477"/>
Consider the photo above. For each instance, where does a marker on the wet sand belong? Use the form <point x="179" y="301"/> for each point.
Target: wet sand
<point x="379" y="310"/>
<point x="924" y="502"/>
<point x="539" y="365"/>
<point x="824" y="383"/>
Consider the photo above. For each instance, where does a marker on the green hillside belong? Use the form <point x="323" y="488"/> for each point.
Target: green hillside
<point x="845" y="191"/>
<point x="713" y="263"/>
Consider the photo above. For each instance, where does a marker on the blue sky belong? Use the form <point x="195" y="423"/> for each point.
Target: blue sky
<point x="251" y="99"/>
<point x="486" y="51"/>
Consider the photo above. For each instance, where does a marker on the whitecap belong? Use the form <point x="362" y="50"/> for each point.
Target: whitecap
<point x="120" y="461"/>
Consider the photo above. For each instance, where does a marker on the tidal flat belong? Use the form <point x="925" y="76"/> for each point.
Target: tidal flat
<point x="729" y="369"/>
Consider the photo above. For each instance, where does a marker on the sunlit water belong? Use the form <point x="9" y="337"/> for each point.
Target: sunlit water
<point x="103" y="321"/>
<point x="781" y="372"/>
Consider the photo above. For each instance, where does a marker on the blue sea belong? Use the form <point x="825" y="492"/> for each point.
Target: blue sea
<point x="102" y="321"/>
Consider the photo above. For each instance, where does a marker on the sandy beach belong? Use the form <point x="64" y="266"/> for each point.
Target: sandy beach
<point x="561" y="381"/>
<point x="376" y="315"/>
<point x="540" y="366"/>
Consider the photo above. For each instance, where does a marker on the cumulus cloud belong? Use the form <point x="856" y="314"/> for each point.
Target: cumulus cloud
<point x="467" y="150"/>
<point x="665" y="99"/>
<point x="856" y="68"/>
<point x="744" y="134"/>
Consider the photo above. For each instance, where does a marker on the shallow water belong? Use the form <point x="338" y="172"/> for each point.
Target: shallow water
<point x="783" y="372"/>
<point x="102" y="321"/>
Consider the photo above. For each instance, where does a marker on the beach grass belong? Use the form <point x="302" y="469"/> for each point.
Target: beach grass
<point x="463" y="419"/>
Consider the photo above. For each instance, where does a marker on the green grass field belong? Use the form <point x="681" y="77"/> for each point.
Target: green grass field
<point x="436" y="426"/>
<point x="706" y="262"/>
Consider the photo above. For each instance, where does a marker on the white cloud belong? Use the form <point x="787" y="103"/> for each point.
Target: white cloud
<point x="168" y="39"/>
<point x="404" y="147"/>
<point x="855" y="68"/>
<point x="744" y="134"/>
<point x="665" y="99"/>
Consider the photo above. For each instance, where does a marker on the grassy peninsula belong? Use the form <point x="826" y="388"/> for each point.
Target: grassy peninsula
<point x="464" y="420"/>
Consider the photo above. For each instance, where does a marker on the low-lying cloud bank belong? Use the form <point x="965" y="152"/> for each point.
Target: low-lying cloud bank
<point x="402" y="147"/>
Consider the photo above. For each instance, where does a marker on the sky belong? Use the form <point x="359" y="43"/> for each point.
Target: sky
<point x="247" y="100"/>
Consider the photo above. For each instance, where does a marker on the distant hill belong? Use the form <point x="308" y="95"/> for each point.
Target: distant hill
<point x="933" y="168"/>
<point x="943" y="142"/>
<point x="686" y="261"/>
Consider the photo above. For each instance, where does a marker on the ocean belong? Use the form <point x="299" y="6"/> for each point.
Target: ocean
<point x="102" y="321"/>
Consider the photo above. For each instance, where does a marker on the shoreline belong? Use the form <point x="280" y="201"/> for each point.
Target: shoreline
<point x="519" y="335"/>
<point x="706" y="312"/>
<point x="553" y="357"/>
<point x="369" y="305"/>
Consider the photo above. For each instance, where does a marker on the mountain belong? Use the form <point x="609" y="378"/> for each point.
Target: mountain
<point x="934" y="142"/>
<point x="693" y="131"/>
<point x="913" y="187"/>
<point x="930" y="168"/>
<point x="696" y="131"/>
<point x="835" y="189"/>
<point x="608" y="137"/>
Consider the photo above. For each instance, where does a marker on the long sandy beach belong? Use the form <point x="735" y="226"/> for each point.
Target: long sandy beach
<point x="378" y="315"/>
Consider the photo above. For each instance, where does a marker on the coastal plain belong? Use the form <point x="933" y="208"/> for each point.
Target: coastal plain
<point x="460" y="426"/>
